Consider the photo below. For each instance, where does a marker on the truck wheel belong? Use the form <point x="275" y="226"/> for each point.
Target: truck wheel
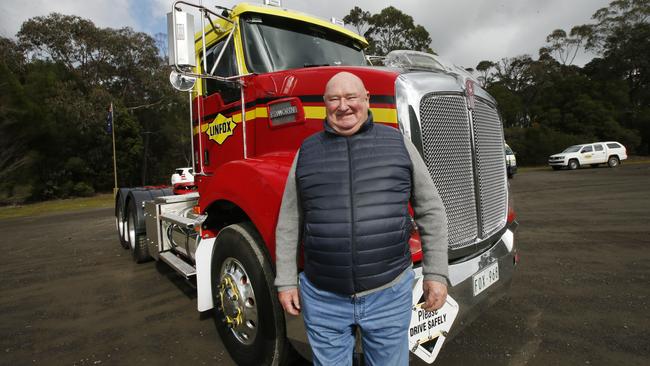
<point x="136" y="238"/>
<point x="613" y="161"/>
<point x="573" y="164"/>
<point x="249" y="317"/>
<point x="120" y="218"/>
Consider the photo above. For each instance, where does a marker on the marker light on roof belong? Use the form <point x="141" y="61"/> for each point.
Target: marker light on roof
<point x="277" y="3"/>
<point x="337" y="21"/>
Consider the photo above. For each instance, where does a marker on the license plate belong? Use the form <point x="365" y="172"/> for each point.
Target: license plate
<point x="485" y="278"/>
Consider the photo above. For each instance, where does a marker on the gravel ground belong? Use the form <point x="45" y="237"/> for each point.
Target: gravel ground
<point x="70" y="295"/>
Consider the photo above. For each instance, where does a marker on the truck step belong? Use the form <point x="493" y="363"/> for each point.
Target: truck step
<point x="178" y="220"/>
<point x="178" y="264"/>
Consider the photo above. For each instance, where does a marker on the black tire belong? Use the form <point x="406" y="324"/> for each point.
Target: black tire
<point x="120" y="217"/>
<point x="136" y="235"/>
<point x="556" y="167"/>
<point x="239" y="253"/>
<point x="613" y="161"/>
<point x="573" y="164"/>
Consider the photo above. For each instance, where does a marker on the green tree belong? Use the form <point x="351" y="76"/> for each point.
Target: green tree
<point x="389" y="30"/>
<point x="611" y="20"/>
<point x="358" y="18"/>
<point x="485" y="68"/>
<point x="510" y="105"/>
<point x="14" y="104"/>
<point x="548" y="104"/>
<point x="514" y="72"/>
<point x="57" y="83"/>
<point x="621" y="37"/>
<point x="565" y="47"/>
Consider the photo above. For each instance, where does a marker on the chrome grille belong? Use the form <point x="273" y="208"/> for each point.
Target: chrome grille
<point x="447" y="147"/>
<point x="490" y="163"/>
<point x="473" y="189"/>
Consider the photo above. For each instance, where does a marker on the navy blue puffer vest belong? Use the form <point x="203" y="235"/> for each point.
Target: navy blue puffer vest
<point x="354" y="193"/>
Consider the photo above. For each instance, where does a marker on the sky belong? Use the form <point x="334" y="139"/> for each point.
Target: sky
<point x="464" y="32"/>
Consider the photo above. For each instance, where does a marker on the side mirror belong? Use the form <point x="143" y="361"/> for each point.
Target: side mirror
<point x="180" y="38"/>
<point x="181" y="82"/>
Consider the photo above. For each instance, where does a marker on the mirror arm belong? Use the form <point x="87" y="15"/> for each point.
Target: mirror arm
<point x="175" y="6"/>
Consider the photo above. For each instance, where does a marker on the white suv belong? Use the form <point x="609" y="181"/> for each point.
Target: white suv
<point x="511" y="162"/>
<point x="573" y="157"/>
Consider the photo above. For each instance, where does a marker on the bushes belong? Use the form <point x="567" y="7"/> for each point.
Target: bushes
<point x="533" y="145"/>
<point x="82" y="189"/>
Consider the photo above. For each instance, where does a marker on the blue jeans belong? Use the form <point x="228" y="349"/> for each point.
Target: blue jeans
<point x="383" y="317"/>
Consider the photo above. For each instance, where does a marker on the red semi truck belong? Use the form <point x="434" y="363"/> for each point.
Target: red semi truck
<point x="255" y="75"/>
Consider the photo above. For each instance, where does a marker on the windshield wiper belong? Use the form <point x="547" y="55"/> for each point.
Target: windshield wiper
<point x="315" y="65"/>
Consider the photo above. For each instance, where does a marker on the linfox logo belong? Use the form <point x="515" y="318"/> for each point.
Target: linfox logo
<point x="221" y="128"/>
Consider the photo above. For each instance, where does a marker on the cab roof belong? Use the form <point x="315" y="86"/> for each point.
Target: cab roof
<point x="243" y="8"/>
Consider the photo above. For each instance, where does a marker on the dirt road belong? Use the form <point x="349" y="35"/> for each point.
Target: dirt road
<point x="71" y="295"/>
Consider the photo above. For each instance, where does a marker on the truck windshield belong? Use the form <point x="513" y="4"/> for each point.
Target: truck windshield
<point x="573" y="148"/>
<point x="275" y="43"/>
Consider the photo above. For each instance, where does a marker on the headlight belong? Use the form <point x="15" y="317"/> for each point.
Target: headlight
<point x="403" y="102"/>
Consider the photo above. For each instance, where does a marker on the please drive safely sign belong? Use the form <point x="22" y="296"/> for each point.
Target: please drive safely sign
<point x="429" y="327"/>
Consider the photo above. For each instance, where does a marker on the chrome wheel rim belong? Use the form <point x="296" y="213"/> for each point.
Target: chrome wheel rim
<point x="238" y="302"/>
<point x="131" y="230"/>
<point x="119" y="221"/>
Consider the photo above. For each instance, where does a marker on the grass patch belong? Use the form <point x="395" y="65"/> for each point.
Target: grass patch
<point x="43" y="208"/>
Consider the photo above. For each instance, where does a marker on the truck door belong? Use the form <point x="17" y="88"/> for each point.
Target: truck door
<point x="587" y="155"/>
<point x="220" y="104"/>
<point x="600" y="154"/>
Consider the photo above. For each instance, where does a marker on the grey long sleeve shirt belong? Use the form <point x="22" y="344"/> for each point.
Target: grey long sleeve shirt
<point x="429" y="215"/>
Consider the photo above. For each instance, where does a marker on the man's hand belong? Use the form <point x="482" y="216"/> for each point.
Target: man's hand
<point x="290" y="301"/>
<point x="435" y="294"/>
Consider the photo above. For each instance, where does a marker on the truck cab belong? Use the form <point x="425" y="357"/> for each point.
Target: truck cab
<point x="255" y="76"/>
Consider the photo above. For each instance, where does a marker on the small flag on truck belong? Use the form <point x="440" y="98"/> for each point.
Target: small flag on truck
<point x="109" y="120"/>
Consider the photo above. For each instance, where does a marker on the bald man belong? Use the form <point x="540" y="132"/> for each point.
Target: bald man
<point x="347" y="193"/>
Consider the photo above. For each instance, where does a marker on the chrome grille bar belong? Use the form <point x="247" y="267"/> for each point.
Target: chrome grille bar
<point x="490" y="167"/>
<point x="472" y="186"/>
<point x="446" y="140"/>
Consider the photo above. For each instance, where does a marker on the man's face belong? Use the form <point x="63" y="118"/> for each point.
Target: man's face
<point x="346" y="103"/>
